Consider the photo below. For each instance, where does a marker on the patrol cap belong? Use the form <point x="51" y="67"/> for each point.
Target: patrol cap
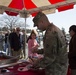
<point x="37" y="17"/>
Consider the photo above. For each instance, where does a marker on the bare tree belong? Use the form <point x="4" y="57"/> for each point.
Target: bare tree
<point x="10" y="21"/>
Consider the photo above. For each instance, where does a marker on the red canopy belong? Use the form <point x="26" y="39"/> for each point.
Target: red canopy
<point x="14" y="7"/>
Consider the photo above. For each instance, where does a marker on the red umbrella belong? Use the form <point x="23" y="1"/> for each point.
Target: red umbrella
<point x="14" y="7"/>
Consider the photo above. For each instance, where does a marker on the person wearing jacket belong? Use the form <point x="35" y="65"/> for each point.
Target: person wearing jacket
<point x="15" y="43"/>
<point x="72" y="50"/>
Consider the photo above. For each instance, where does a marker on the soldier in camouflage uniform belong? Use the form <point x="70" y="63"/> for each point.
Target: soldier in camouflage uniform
<point x="55" y="51"/>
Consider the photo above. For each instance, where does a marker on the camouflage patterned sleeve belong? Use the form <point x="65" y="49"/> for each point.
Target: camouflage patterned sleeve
<point x="50" y="50"/>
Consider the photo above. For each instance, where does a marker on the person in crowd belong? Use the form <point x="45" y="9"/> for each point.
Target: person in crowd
<point x="12" y="32"/>
<point x="72" y="49"/>
<point x="1" y="41"/>
<point x="54" y="47"/>
<point x="33" y="44"/>
<point x="15" y="43"/>
<point x="10" y="35"/>
<point x="6" y="48"/>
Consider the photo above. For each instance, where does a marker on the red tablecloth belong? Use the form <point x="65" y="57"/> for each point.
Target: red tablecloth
<point x="29" y="72"/>
<point x="69" y="71"/>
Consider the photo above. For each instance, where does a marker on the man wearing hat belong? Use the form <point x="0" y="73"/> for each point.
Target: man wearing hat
<point x="55" y="52"/>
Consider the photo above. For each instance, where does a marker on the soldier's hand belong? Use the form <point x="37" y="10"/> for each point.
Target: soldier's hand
<point x="34" y="50"/>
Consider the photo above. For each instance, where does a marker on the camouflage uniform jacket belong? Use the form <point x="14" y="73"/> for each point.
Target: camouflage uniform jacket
<point x="55" y="52"/>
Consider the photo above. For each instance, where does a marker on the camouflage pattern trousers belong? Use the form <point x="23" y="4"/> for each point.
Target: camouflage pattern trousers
<point x="56" y="72"/>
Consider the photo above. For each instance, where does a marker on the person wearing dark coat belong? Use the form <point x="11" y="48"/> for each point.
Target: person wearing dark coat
<point x="15" y="43"/>
<point x="72" y="50"/>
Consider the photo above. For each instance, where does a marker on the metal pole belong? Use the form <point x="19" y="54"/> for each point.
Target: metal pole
<point x="25" y="31"/>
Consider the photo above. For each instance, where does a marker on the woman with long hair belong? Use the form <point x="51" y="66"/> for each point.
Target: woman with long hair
<point x="32" y="44"/>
